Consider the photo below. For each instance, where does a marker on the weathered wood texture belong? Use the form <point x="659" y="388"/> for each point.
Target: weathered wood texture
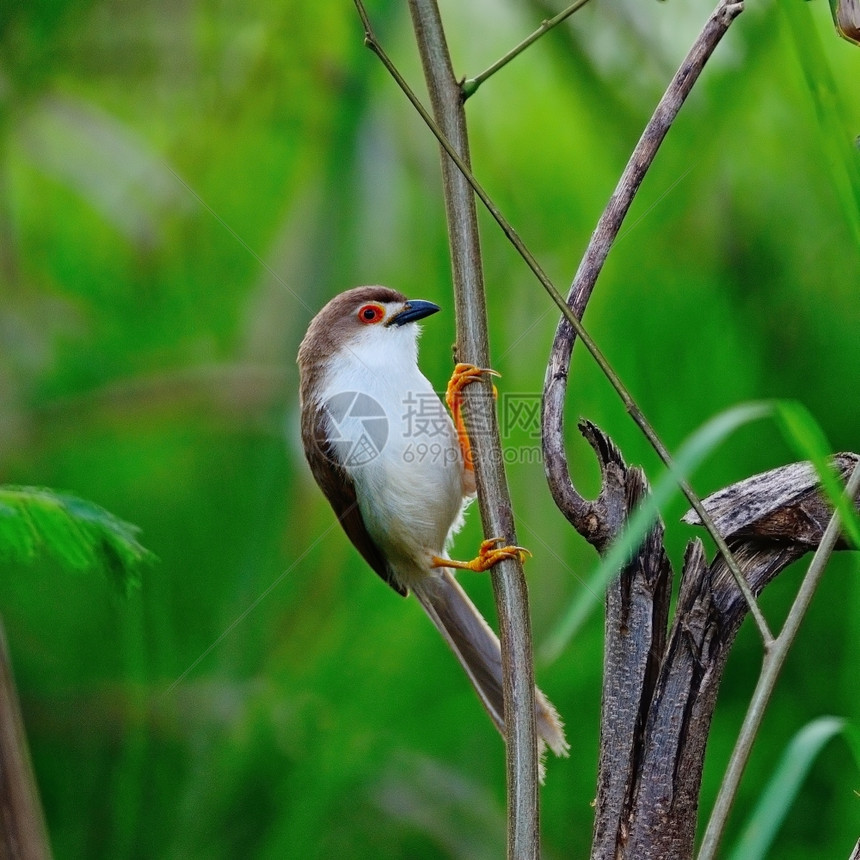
<point x="637" y="607"/>
<point x="782" y="504"/>
<point x="659" y="693"/>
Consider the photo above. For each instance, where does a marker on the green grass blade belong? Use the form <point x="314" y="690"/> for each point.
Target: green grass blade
<point x="852" y="737"/>
<point x="805" y="436"/>
<point x="835" y="134"/>
<point x="783" y="788"/>
<point x="77" y="534"/>
<point x="690" y="455"/>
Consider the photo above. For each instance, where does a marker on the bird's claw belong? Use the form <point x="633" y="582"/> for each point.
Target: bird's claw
<point x="463" y="375"/>
<point x="489" y="554"/>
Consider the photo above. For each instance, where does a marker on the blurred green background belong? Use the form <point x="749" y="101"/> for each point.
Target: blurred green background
<point x="182" y="185"/>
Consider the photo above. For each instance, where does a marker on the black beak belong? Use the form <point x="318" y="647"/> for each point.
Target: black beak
<point x="414" y="309"/>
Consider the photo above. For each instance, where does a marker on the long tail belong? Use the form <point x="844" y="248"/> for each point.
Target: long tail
<point x="477" y="648"/>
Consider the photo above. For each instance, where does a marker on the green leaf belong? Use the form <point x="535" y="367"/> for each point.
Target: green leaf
<point x="783" y="788"/>
<point x="690" y="455"/>
<point x="835" y="134"/>
<point x="804" y="434"/>
<point x="852" y="736"/>
<point x="78" y="534"/>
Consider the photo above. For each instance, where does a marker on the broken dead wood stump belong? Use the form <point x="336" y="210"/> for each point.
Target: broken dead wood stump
<point x="659" y="690"/>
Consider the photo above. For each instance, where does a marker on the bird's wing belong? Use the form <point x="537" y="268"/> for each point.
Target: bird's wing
<point x="339" y="489"/>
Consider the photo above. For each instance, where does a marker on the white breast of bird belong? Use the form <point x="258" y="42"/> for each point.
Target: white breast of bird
<point x="411" y="493"/>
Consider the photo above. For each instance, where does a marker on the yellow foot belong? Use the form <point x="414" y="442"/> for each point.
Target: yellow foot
<point x="463" y="375"/>
<point x="488" y="555"/>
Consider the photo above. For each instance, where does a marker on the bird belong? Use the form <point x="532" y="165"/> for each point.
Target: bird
<point x="397" y="471"/>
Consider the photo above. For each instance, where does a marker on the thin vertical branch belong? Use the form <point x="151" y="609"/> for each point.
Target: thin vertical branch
<point x="473" y="346"/>
<point x="22" y="828"/>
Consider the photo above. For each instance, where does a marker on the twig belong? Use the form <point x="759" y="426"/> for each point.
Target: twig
<point x="509" y="585"/>
<point x="771" y="666"/>
<point x="470" y="85"/>
<point x="604" y="235"/>
<point x="472" y="346"/>
<point x="22" y="826"/>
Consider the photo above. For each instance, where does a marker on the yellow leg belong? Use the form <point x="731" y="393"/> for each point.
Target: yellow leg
<point x="488" y="555"/>
<point x="464" y="374"/>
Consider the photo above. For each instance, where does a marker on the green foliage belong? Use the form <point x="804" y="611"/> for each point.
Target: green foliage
<point x="78" y="534"/>
<point x="783" y="788"/>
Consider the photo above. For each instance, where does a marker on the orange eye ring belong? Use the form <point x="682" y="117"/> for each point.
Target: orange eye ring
<point x="370" y="314"/>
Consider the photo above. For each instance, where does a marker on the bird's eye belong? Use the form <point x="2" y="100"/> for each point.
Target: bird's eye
<point x="370" y="314"/>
